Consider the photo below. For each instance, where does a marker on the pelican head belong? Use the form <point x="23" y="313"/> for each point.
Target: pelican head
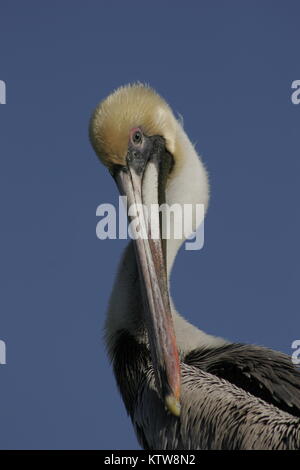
<point x="134" y="133"/>
<point x="127" y="109"/>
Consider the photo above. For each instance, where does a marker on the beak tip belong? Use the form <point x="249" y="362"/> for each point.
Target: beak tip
<point x="173" y="405"/>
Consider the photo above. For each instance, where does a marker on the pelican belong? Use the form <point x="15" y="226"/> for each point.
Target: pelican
<point x="183" y="388"/>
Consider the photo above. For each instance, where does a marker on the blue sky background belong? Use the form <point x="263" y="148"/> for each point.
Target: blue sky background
<point x="227" y="67"/>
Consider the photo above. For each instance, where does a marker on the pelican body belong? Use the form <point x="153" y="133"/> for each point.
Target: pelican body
<point x="183" y="388"/>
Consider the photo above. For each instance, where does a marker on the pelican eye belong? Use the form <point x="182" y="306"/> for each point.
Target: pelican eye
<point x="137" y="137"/>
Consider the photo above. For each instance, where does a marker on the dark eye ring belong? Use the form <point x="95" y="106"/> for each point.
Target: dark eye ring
<point x="137" y="137"/>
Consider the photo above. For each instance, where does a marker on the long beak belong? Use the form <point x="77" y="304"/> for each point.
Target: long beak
<point x="151" y="259"/>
